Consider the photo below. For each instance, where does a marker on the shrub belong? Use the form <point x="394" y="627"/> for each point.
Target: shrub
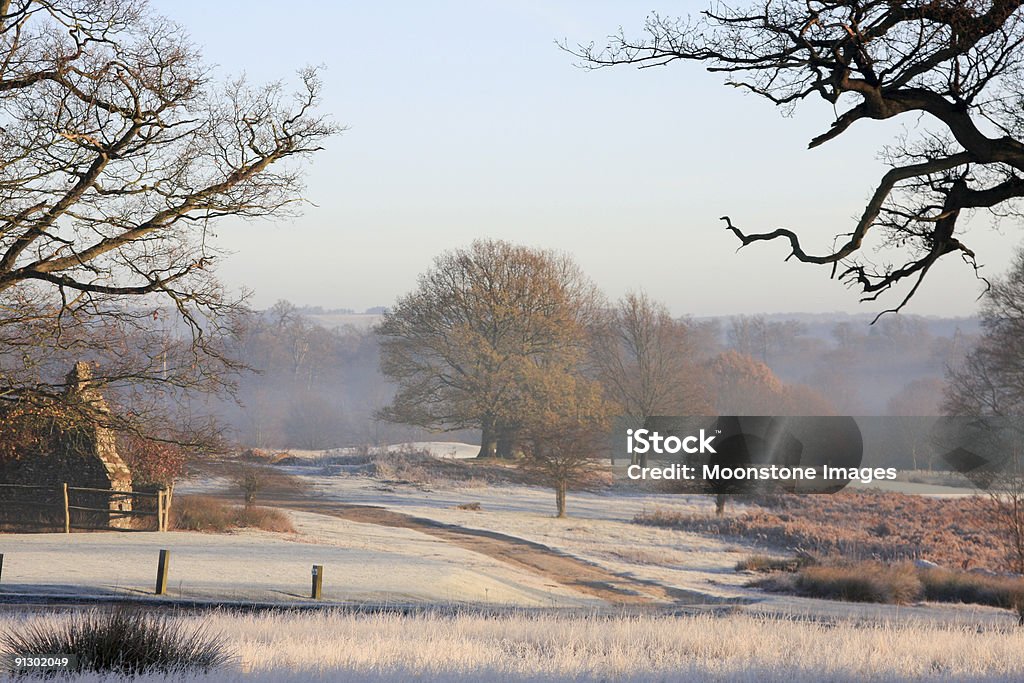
<point x="267" y="519"/>
<point x="202" y="513"/>
<point x="877" y="582"/>
<point x="945" y="585"/>
<point x="123" y="642"/>
<point x="251" y="480"/>
<point x="863" y="582"/>
<point x="860" y="582"/>
<point x="423" y="469"/>
<point x="768" y="563"/>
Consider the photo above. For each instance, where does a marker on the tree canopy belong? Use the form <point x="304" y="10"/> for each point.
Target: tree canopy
<point x="491" y="335"/>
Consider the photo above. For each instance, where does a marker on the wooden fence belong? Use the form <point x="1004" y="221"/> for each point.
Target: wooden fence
<point x="116" y="500"/>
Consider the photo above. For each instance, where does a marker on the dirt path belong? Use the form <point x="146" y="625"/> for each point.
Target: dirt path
<point x="533" y="557"/>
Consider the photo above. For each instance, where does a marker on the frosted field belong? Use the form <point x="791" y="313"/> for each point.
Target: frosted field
<point x="330" y="646"/>
<point x="363" y="563"/>
<point x="599" y="530"/>
<point x="700" y="624"/>
<point x="369" y="563"/>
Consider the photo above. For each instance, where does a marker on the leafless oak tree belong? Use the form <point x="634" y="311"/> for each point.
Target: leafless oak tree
<point x="648" y="363"/>
<point x="955" y="64"/>
<point x="118" y="155"/>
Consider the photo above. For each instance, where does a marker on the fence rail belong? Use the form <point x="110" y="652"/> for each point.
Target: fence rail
<point x="63" y="492"/>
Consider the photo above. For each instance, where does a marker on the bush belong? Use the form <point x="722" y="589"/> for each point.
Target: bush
<point x="944" y="585"/>
<point x="263" y="480"/>
<point x="860" y="582"/>
<point x="267" y="519"/>
<point x="878" y="582"/>
<point x="124" y="642"/>
<point x="202" y="513"/>
<point x="768" y="563"/>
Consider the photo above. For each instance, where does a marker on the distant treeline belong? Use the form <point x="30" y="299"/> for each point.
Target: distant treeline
<point x="318" y="386"/>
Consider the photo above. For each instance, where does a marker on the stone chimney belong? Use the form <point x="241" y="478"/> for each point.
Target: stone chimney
<point x="102" y="442"/>
<point x="81" y="388"/>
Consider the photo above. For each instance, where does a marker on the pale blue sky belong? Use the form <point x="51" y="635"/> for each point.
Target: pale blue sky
<point x="465" y="121"/>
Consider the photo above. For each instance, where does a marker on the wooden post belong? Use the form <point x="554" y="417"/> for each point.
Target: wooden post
<point x="67" y="511"/>
<point x="161" y="572"/>
<point x="1" y="565"/>
<point x="160" y="510"/>
<point x="168" y="499"/>
<point x="318" y="581"/>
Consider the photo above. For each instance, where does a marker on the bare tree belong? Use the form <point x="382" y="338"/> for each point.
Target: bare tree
<point x="990" y="381"/>
<point x="956" y="65"/>
<point x="1006" y="507"/>
<point x="118" y="155"/>
<point x="648" y="363"/>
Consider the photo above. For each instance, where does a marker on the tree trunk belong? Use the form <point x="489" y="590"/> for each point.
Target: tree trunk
<point x="487" y="439"/>
<point x="720" y="504"/>
<point x="560" y="498"/>
<point x="506" y="443"/>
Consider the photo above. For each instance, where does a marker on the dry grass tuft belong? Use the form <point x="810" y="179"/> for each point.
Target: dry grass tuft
<point x="769" y="563"/>
<point x="897" y="583"/>
<point x="859" y="582"/>
<point x="203" y="513"/>
<point x="126" y="642"/>
<point x="945" y="585"/>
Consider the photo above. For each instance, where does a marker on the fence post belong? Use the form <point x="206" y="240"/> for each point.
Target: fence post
<point x="318" y="581"/>
<point x="67" y="511"/>
<point x="160" y="523"/>
<point x="168" y="500"/>
<point x="161" y="572"/>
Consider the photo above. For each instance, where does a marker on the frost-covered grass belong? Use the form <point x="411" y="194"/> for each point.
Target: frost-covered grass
<point x="433" y="647"/>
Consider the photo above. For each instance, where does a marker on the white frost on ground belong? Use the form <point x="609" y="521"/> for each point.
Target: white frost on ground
<point x="371" y="563"/>
<point x="437" y="449"/>
<point x="362" y="563"/>
<point x="599" y="529"/>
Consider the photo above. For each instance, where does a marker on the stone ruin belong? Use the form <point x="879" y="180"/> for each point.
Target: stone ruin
<point x="91" y="461"/>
